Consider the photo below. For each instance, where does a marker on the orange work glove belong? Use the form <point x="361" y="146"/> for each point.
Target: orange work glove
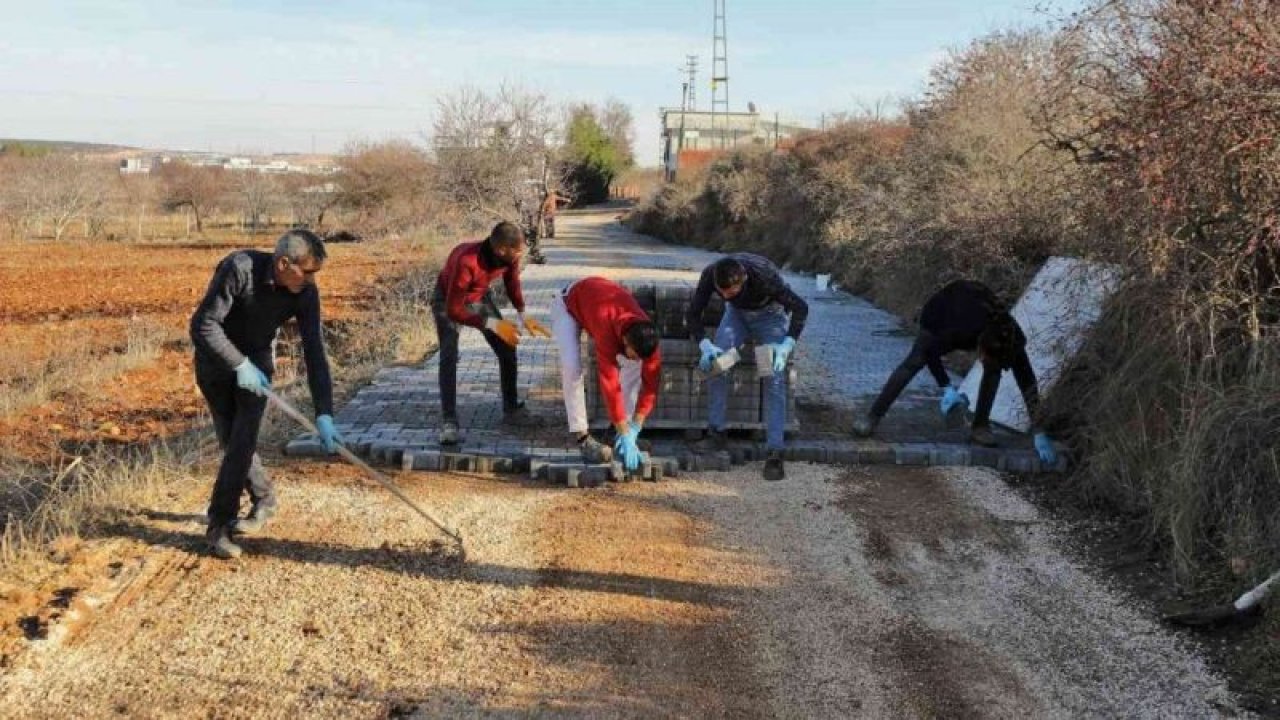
<point x="533" y="327"/>
<point x="504" y="329"/>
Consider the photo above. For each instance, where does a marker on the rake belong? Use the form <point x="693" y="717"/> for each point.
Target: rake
<point x="382" y="479"/>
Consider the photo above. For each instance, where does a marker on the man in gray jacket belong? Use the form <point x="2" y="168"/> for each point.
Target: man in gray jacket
<point x="251" y="295"/>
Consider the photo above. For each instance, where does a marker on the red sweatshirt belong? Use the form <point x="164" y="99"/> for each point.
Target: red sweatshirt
<point x="466" y="277"/>
<point x="605" y="309"/>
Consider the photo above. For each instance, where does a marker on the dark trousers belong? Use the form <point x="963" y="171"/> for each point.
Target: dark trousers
<point x="237" y="415"/>
<point x="921" y="355"/>
<point x="447" y="334"/>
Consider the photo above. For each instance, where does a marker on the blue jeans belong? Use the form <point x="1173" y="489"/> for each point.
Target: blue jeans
<point x="765" y="326"/>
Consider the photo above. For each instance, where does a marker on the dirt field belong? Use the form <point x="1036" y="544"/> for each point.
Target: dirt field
<point x="75" y="303"/>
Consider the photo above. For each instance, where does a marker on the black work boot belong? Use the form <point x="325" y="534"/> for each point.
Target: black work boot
<point x="449" y="432"/>
<point x="256" y="519"/>
<point x="518" y="415"/>
<point x="714" y="442"/>
<point x="218" y="539"/>
<point x="594" y="452"/>
<point x="865" y="425"/>
<point x="982" y="435"/>
<point x="773" y="466"/>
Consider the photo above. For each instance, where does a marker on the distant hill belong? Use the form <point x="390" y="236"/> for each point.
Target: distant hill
<point x="39" y="147"/>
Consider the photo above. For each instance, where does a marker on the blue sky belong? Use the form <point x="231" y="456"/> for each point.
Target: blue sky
<point x="291" y="76"/>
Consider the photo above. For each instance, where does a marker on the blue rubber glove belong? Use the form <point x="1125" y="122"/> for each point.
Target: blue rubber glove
<point x="625" y="447"/>
<point x="328" y="433"/>
<point x="952" y="397"/>
<point x="250" y="378"/>
<point x="1044" y="448"/>
<point x="709" y="353"/>
<point x="781" y="351"/>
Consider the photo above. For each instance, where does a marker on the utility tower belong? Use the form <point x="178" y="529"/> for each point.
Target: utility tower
<point x="691" y="69"/>
<point x="720" y="73"/>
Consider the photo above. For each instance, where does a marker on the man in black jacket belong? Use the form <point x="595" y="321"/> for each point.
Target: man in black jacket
<point x="759" y="307"/>
<point x="251" y="295"/>
<point x="966" y="315"/>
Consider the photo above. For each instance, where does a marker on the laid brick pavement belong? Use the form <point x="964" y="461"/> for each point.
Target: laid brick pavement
<point x="848" y="349"/>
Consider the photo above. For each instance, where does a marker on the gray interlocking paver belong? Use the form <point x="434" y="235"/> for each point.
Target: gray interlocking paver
<point x="848" y="349"/>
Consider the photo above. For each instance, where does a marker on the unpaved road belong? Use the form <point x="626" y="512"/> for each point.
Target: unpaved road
<point x="840" y="592"/>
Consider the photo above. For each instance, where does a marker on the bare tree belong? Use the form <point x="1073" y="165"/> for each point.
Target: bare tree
<point x="139" y="194"/>
<point x="61" y="189"/>
<point x="496" y="152"/>
<point x="12" y="216"/>
<point x="310" y="197"/>
<point x="619" y="125"/>
<point x="198" y="188"/>
<point x="257" y="193"/>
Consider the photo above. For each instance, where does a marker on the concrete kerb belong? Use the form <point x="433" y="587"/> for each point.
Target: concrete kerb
<point x="553" y="466"/>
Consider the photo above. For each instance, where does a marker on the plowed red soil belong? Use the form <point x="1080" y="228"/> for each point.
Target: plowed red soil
<point x="53" y="295"/>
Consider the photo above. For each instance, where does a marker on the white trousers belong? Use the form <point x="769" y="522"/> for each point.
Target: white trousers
<point x="568" y="334"/>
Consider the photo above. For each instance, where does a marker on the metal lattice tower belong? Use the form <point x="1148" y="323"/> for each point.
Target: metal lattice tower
<point x="720" y="71"/>
<point x="691" y="69"/>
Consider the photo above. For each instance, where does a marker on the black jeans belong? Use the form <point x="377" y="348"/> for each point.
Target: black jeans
<point x="447" y="334"/>
<point x="924" y="352"/>
<point x="237" y="415"/>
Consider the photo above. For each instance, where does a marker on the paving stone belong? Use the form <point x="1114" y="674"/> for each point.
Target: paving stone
<point x="455" y="462"/>
<point x="719" y="462"/>
<point x="843" y="456"/>
<point x="950" y="456"/>
<point x="593" y="476"/>
<point x="430" y="461"/>
<point x="910" y="455"/>
<point x="984" y="457"/>
<point x="876" y="454"/>
<point x="1020" y="462"/>
<point x="305" y="447"/>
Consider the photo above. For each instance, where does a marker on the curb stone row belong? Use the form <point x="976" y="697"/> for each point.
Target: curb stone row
<point x="553" y="465"/>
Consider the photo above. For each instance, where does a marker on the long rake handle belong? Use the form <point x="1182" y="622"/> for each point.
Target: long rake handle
<point x="352" y="458"/>
<point x="1255" y="596"/>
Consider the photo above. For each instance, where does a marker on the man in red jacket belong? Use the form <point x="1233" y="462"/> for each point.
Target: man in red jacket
<point x="626" y="344"/>
<point x="462" y="297"/>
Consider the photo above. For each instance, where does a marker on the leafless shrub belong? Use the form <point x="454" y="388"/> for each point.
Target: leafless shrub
<point x="387" y="187"/>
<point x="1176" y="105"/>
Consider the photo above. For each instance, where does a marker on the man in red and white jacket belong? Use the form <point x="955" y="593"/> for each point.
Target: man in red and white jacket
<point x="462" y="298"/>
<point x="626" y="345"/>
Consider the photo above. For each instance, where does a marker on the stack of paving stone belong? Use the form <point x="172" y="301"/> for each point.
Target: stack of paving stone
<point x="682" y="392"/>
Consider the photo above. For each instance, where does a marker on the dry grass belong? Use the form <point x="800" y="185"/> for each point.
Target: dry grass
<point x="81" y="365"/>
<point x="88" y="490"/>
